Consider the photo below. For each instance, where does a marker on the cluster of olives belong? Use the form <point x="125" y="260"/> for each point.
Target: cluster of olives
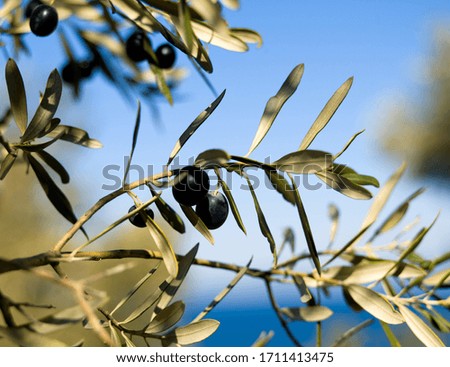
<point x="75" y="71"/>
<point x="193" y="189"/>
<point x="138" y="44"/>
<point x="43" y="18"/>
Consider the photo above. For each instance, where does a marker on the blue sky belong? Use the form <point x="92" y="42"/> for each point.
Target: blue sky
<point x="377" y="42"/>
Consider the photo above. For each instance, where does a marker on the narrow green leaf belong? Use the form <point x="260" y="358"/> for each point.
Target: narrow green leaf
<point x="440" y="278"/>
<point x="183" y="268"/>
<point x="163" y="244"/>
<point x="162" y="83"/>
<point x="280" y="184"/>
<point x="247" y="35"/>
<point x="166" y="318"/>
<point x="375" y="304"/>
<point x="54" y="194"/>
<point x="349" y="300"/>
<point x="54" y="164"/>
<point x="421" y="330"/>
<point x="337" y="155"/>
<point x="114" y="335"/>
<point x="382" y="197"/>
<point x="233" y="206"/>
<point x="344" y="186"/>
<point x="75" y="135"/>
<point x="306" y="227"/>
<point x="397" y="215"/>
<point x="275" y="104"/>
<point x="17" y="96"/>
<point x="135" y="288"/>
<point x="223" y="293"/>
<point x="194" y="126"/>
<point x="309" y="314"/>
<point x="197" y="223"/>
<point x="7" y="163"/>
<point x="265" y="230"/>
<point x="326" y="114"/>
<point x="185" y="19"/>
<point x="393" y="341"/>
<point x="350" y="332"/>
<point x="46" y="109"/>
<point x="358" y="179"/>
<point x="169" y="214"/>
<point x="38" y="147"/>
<point x="134" y="141"/>
<point x="191" y="333"/>
<point x="212" y="158"/>
<point x="304" y="162"/>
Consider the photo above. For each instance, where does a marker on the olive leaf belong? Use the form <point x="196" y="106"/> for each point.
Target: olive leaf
<point x="280" y="184"/>
<point x="134" y="141"/>
<point x="194" y="126"/>
<point x="247" y="35"/>
<point x="211" y="158"/>
<point x="421" y="330"/>
<point x="344" y="186"/>
<point x="305" y="294"/>
<point x="197" y="223"/>
<point x="274" y="105"/>
<point x="74" y="135"/>
<point x="393" y="341"/>
<point x="54" y="164"/>
<point x="333" y="213"/>
<point x="265" y="230"/>
<point x="7" y="163"/>
<point x="363" y="180"/>
<point x="304" y="162"/>
<point x="166" y="318"/>
<point x="306" y="227"/>
<point x="191" y="333"/>
<point x="169" y="214"/>
<point x="309" y="314"/>
<point x="326" y="114"/>
<point x="375" y="304"/>
<point x="347" y="145"/>
<point x="383" y="195"/>
<point x="263" y="339"/>
<point x="54" y="194"/>
<point x="47" y="108"/>
<point x="161" y="83"/>
<point x="350" y="332"/>
<point x="230" y="198"/>
<point x="169" y="292"/>
<point x="17" y="96"/>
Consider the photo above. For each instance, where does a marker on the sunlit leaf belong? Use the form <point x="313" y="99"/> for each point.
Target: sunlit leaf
<point x="305" y="294"/>
<point x="183" y="268"/>
<point x="46" y="109"/>
<point x="344" y="186"/>
<point x="191" y="333"/>
<point x="167" y="318"/>
<point x="375" y="304"/>
<point x="382" y="197"/>
<point x="75" y="135"/>
<point x="194" y="126"/>
<point x="326" y="114"/>
<point x="441" y="277"/>
<point x="7" y="163"/>
<point x="280" y="184"/>
<point x="169" y="214"/>
<point x="17" y="96"/>
<point x="263" y="339"/>
<point x="275" y="104"/>
<point x="247" y="35"/>
<point x="347" y="145"/>
<point x="197" y="223"/>
<point x="421" y="330"/>
<point x="361" y="179"/>
<point x="211" y="158"/>
<point x="304" y="162"/>
<point x="309" y="314"/>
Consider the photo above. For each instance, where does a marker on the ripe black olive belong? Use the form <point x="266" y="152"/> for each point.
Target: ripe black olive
<point x="135" y="46"/>
<point x="192" y="187"/>
<point x="213" y="210"/>
<point x="30" y="7"/>
<point x="43" y="20"/>
<point x="138" y="219"/>
<point x="165" y="54"/>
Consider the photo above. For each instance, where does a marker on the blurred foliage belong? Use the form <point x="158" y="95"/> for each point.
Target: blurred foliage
<point x="419" y="132"/>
